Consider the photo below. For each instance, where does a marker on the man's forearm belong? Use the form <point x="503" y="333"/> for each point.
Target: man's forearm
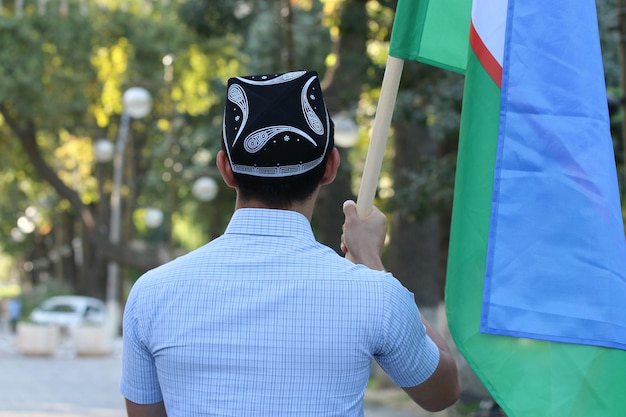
<point x="145" y="410"/>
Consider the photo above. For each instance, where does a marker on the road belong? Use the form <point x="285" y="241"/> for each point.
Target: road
<point x="64" y="385"/>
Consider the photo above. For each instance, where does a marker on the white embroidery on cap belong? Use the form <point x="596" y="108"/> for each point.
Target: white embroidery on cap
<point x="311" y="118"/>
<point x="257" y="139"/>
<point x="237" y="95"/>
<point x="277" y="171"/>
<point x="283" y="78"/>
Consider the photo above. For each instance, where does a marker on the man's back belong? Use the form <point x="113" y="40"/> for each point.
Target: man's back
<point x="266" y="321"/>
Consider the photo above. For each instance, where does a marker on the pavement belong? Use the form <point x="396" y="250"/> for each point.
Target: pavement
<point x="64" y="385"/>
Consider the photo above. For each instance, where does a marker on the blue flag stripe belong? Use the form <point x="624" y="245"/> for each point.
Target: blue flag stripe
<point x="556" y="266"/>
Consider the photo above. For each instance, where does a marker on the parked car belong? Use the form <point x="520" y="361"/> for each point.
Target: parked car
<point x="70" y="311"/>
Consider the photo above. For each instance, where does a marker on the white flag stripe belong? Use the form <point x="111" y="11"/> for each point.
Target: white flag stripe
<point x="489" y="20"/>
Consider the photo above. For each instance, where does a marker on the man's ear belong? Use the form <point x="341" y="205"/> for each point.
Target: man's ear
<point x="225" y="169"/>
<point x="332" y="165"/>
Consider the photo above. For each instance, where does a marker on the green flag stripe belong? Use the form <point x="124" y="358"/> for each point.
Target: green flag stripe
<point x="408" y="27"/>
<point x="472" y="202"/>
<point x="421" y="32"/>
<point x="526" y="377"/>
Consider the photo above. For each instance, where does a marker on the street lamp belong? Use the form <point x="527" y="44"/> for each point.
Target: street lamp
<point x="205" y="189"/>
<point x="346" y="131"/>
<point x="103" y="150"/>
<point x="136" y="103"/>
<point x="153" y="217"/>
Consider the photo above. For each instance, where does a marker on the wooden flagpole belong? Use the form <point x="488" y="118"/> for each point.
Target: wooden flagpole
<point x="380" y="132"/>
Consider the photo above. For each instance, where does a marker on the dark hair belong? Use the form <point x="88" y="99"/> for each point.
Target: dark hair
<point x="283" y="192"/>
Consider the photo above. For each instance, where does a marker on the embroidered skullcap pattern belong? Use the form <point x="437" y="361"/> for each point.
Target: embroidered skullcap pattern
<point x="276" y="125"/>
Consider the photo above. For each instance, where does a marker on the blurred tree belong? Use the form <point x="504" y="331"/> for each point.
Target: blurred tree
<point x="288" y="35"/>
<point x="424" y="148"/>
<point x="68" y="72"/>
<point x="215" y="19"/>
<point x="612" y="21"/>
<point x="343" y="85"/>
<point x="64" y="87"/>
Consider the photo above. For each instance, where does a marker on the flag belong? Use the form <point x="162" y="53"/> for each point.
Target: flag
<point x="537" y="255"/>
<point x="556" y="222"/>
<point x="421" y="32"/>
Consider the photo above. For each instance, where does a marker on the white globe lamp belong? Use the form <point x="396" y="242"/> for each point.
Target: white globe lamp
<point x="103" y="150"/>
<point x="205" y="189"/>
<point x="346" y="131"/>
<point x="153" y="217"/>
<point x="137" y="102"/>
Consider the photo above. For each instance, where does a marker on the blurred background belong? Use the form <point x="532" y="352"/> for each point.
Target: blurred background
<point x="111" y="113"/>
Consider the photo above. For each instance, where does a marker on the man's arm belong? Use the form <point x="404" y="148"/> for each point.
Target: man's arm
<point x="362" y="241"/>
<point x="145" y="410"/>
<point x="442" y="389"/>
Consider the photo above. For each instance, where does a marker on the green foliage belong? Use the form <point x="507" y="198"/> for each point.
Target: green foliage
<point x="607" y="21"/>
<point x="428" y="190"/>
<point x="65" y="84"/>
<point x="430" y="96"/>
<point x="48" y="60"/>
<point x="18" y="192"/>
<point x="268" y="43"/>
<point x="214" y="19"/>
<point x="64" y="76"/>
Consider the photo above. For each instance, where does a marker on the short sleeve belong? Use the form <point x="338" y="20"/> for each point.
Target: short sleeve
<point x="407" y="354"/>
<point x="139" y="382"/>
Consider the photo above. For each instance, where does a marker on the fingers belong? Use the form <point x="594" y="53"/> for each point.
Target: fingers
<point x="363" y="239"/>
<point x="349" y="210"/>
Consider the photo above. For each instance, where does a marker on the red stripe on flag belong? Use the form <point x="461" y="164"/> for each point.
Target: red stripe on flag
<point x="491" y="65"/>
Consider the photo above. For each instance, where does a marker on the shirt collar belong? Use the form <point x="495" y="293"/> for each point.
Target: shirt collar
<point x="269" y="222"/>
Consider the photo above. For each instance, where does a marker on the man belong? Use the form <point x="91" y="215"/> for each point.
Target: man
<point x="265" y="321"/>
<point x="15" y="312"/>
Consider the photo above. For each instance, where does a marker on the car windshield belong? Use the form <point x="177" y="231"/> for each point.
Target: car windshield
<point x="58" y="308"/>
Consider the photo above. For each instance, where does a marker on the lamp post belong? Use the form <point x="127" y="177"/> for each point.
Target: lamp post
<point x="136" y="103"/>
<point x="103" y="150"/>
<point x="205" y="189"/>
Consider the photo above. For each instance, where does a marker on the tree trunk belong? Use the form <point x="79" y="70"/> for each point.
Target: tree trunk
<point x="124" y="255"/>
<point x="413" y="253"/>
<point x="342" y="90"/>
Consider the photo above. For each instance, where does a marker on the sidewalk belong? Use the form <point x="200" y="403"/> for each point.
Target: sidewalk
<point x="66" y="386"/>
<point x="59" y="386"/>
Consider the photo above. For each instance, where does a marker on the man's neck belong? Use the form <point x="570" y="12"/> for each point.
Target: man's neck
<point x="303" y="207"/>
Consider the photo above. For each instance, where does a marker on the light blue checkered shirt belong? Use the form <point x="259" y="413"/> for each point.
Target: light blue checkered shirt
<point x="265" y="321"/>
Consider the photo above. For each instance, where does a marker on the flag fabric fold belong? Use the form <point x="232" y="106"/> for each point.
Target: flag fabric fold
<point x="421" y="32"/>
<point x="556" y="260"/>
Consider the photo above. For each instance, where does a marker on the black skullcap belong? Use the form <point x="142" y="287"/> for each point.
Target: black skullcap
<point x="276" y="125"/>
